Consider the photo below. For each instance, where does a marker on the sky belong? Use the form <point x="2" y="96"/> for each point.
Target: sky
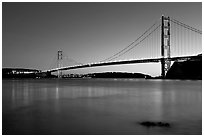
<point x="32" y="33"/>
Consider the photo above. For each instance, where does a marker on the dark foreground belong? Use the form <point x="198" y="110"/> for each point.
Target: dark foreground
<point x="101" y="107"/>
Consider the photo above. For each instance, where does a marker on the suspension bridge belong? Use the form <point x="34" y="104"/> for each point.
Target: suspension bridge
<point x="165" y="41"/>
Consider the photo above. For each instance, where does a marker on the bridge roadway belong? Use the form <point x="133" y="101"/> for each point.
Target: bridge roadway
<point x="121" y="62"/>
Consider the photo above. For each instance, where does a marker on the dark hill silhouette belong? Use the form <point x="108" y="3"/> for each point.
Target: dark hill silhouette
<point x="116" y="75"/>
<point x="190" y="69"/>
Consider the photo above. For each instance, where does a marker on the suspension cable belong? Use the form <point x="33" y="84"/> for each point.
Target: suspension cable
<point x="53" y="63"/>
<point x="137" y="43"/>
<point x="186" y="26"/>
<point x="110" y="58"/>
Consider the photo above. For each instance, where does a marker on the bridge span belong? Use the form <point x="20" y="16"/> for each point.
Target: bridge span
<point x="156" y="60"/>
<point x="165" y="41"/>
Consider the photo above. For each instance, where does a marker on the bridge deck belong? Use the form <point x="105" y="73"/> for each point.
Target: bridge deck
<point x="121" y="62"/>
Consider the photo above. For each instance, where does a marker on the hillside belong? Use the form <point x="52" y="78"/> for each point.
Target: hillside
<point x="190" y="69"/>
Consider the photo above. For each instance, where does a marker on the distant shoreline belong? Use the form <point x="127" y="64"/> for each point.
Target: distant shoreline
<point x="190" y="69"/>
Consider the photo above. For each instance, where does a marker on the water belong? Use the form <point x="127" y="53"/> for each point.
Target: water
<point x="100" y="106"/>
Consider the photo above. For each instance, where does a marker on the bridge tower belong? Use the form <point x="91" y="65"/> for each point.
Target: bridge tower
<point x="59" y="63"/>
<point x="165" y="45"/>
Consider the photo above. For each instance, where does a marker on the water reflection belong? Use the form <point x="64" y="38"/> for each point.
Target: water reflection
<point x="94" y="105"/>
<point x="157" y="99"/>
<point x="85" y="91"/>
<point x="21" y="95"/>
<point x="57" y="92"/>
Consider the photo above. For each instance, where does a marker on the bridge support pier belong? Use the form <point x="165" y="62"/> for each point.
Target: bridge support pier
<point x="165" y="45"/>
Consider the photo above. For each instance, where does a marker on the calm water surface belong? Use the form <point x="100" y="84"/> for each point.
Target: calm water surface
<point x="100" y="106"/>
